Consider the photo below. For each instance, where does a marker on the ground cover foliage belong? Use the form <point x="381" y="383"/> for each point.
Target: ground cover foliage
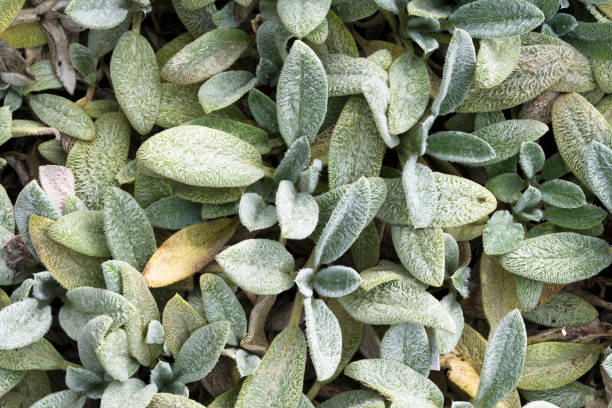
<point x="293" y="204"/>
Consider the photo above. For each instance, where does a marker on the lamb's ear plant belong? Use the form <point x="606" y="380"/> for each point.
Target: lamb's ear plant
<point x="290" y="204"/>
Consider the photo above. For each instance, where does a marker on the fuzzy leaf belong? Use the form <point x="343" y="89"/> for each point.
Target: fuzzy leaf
<point x="179" y="320"/>
<point x="404" y="386"/>
<point x="301" y="96"/>
<point x="502" y="234"/>
<point x="58" y="183"/>
<point x="61" y="399"/>
<point x="563" y="309"/>
<point x="421" y="193"/>
<point x="178" y="104"/>
<point x="408" y="344"/>
<point x="114" y="356"/>
<point x="163" y="400"/>
<point x="102" y="301"/>
<point x="224" y="89"/>
<point x="421" y="251"/>
<point x="500" y="374"/>
<point x="279" y="378"/>
<point x="132" y="392"/>
<point x="83" y="232"/>
<point x="495" y="60"/>
<point x="297" y="213"/>
<point x="497" y="19"/>
<point x="531" y="158"/>
<point x="324" y="337"/>
<point x="459" y="147"/>
<point x="355" y="399"/>
<point x="579" y="218"/>
<point x="336" y="281"/>
<point x="23" y="323"/>
<point x="260" y="266"/>
<point x="206" y="56"/>
<point x="563" y="257"/>
<point x="599" y="163"/>
<point x="174" y="213"/>
<point x="220" y="304"/>
<point x="255" y="213"/>
<point x="100" y="15"/>
<point x="201" y="156"/>
<point x="345" y="74"/>
<point x="36" y="356"/>
<point x="188" y="251"/>
<point x="300" y="18"/>
<point x="64" y="115"/>
<point x="295" y="160"/>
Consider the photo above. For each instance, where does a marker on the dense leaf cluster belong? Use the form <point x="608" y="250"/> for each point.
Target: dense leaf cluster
<point x="300" y="203"/>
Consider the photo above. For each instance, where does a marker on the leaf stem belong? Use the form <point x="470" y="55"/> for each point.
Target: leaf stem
<point x="296" y="311"/>
<point x="136" y="21"/>
<point x="314" y="390"/>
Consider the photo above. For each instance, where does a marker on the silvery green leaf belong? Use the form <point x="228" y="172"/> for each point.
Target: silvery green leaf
<point x="58" y="183"/>
<point x="305" y="281"/>
<point x="569" y="257"/>
<point x="201" y="156"/>
<point x="165" y="399"/>
<point x="73" y="203"/>
<point x="255" y="213"/>
<point x="421" y="193"/>
<point x="96" y="162"/>
<point x="90" y="337"/>
<point x="7" y="214"/>
<point x="599" y="163"/>
<point x="502" y="234"/>
<point x="324" y="337"/>
<point x="494" y="19"/>
<point x="213" y="52"/>
<point x="573" y="395"/>
<point x="408" y="344"/>
<point x="201" y="351"/>
<point x="299" y="17"/>
<point x="461" y="405"/>
<point x="607" y="365"/>
<point x="82" y="380"/>
<point x="553" y="364"/>
<point x="429" y="8"/>
<point x="345" y="73"/>
<point x="427" y="43"/>
<point x="22" y="292"/>
<point x="301" y="96"/>
<point x="267" y="274"/>
<point x="23" y="323"/>
<point x="319" y="34"/>
<point x="279" y="378"/>
<point x="72" y="321"/>
<point x="451" y="253"/>
<point x="579" y="218"/>
<point x="81" y="231"/>
<point x="84" y="62"/>
<point x="155" y="332"/>
<point x="376" y="93"/>
<point x="309" y="178"/>
<point x="174" y="213"/>
<point x="531" y="158"/>
<point x="365" y="252"/>
<point x="61" y="399"/>
<point x="458" y="73"/>
<point x="53" y="151"/>
<point x="336" y="281"/>
<point x="495" y="60"/>
<point x="37" y="356"/>
<point x="224" y="88"/>
<point x="206" y="195"/>
<point x="500" y="374"/>
<point x="347" y="220"/>
<point x="63" y="115"/>
<point x="221" y="304"/>
<point x="355" y="399"/>
<point x="355" y="148"/>
<point x="459" y="147"/>
<point x="263" y="109"/>
<point x="132" y="392"/>
<point x="45" y="287"/>
<point x="421" y="251"/>
<point x="507" y="187"/>
<point x="383" y="58"/>
<point x="102" y="301"/>
<point x="528" y="292"/>
<point x="400" y="383"/>
<point x="461" y="280"/>
<point x="540" y="404"/>
<point x="409" y="86"/>
<point x="101" y="15"/>
<point x="562" y="310"/>
<point x="397" y="301"/>
<point x="179" y="321"/>
<point x="297" y="213"/>
<point x="351" y="10"/>
<point x="507" y="137"/>
<point x="178" y="104"/>
<point x="247" y="363"/>
<point x="132" y="241"/>
<point x="446" y="341"/>
<point x="554" y="168"/>
<point x="539" y="67"/>
<point x="295" y="160"/>
<point x="32" y="200"/>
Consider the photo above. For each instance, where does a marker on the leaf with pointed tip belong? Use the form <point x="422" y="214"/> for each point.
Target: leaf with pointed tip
<point x="132" y="392"/>
<point x="300" y="18"/>
<point x="400" y="383"/>
<point x="301" y="96"/>
<point x="179" y="321"/>
<point x="355" y="149"/>
<point x="408" y="344"/>
<point x="500" y="374"/>
<point x="295" y="160"/>
<point x="63" y="115"/>
<point x="263" y="109"/>
<point x="397" y="301"/>
<point x="23" y="323"/>
<point x="599" y="165"/>
<point x="7" y="213"/>
<point x="279" y="378"/>
<point x="458" y="73"/>
<point x="102" y="301"/>
<point x="255" y="213"/>
<point x="421" y="251"/>
<point x="495" y="60"/>
<point x="324" y="337"/>
<point x="498" y="290"/>
<point x="497" y="19"/>
<point x="421" y="193"/>
<point x="135" y="76"/>
<point x="563" y="257"/>
<point x="246" y="363"/>
<point x="260" y="266"/>
<point x="579" y="218"/>
<point x="83" y="232"/>
<point x="446" y="341"/>
<point x="201" y="156"/>
<point x="298" y="213"/>
<point x="553" y="364"/>
<point x="225" y="88"/>
<point x="95" y="163"/>
<point x="213" y="52"/>
<point x="129" y="233"/>
<point x="502" y="234"/>
<point x="188" y="251"/>
<point x="221" y="304"/>
<point x="532" y="158"/>
<point x="114" y="356"/>
<point x="336" y="281"/>
<point x="201" y="351"/>
<point x="459" y="147"/>
<point x="68" y="267"/>
<point x="377" y="94"/>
